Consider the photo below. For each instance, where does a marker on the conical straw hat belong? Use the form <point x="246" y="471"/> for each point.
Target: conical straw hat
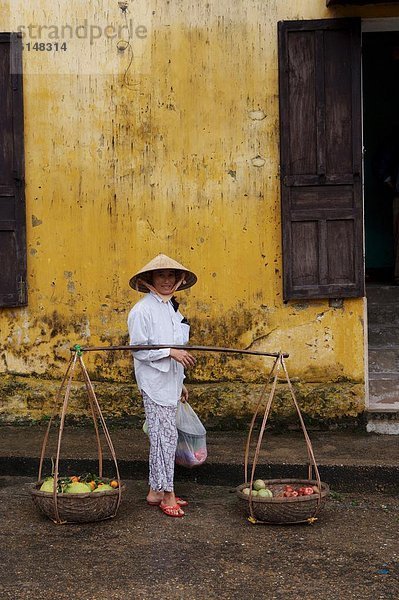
<point x="161" y="261"/>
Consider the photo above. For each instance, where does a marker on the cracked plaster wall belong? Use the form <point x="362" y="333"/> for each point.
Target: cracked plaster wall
<point x="177" y="154"/>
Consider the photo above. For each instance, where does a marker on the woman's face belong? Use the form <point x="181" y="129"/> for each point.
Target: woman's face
<point x="163" y="280"/>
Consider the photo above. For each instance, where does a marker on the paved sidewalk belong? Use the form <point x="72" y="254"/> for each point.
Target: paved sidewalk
<point x="358" y="460"/>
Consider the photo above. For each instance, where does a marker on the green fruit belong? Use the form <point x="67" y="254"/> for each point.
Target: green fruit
<point x="246" y="491"/>
<point x="103" y="488"/>
<point x="77" y="488"/>
<point x="259" y="484"/>
<point x="47" y="485"/>
<point x="265" y="493"/>
<point x="254" y="493"/>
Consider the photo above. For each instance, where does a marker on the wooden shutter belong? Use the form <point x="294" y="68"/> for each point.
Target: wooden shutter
<point x="321" y="158"/>
<point x="12" y="195"/>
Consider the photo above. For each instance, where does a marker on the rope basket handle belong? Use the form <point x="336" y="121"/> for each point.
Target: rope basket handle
<point x="251" y="428"/>
<point x="96" y="415"/>
<point x="312" y="465"/>
<point x="91" y="393"/>
<point x="55" y="407"/>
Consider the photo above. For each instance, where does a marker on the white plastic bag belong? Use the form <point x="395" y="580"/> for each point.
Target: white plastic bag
<point x="191" y="443"/>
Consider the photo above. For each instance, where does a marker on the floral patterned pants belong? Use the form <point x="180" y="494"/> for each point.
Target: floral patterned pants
<point x="161" y="422"/>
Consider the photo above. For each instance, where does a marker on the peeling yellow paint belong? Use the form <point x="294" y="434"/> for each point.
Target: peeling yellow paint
<point x="178" y="156"/>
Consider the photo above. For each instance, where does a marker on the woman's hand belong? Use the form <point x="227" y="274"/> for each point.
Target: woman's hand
<point x="183" y="357"/>
<point x="184" y="394"/>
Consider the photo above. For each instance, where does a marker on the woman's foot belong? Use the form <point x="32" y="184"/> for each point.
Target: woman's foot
<point x="154" y="498"/>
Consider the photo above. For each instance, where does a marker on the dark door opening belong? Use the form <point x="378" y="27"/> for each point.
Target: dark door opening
<point x="380" y="53"/>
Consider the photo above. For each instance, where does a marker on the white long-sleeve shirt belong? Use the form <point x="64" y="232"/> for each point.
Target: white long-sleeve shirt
<point x="154" y="322"/>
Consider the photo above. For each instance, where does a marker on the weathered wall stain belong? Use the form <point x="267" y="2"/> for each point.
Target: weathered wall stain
<point x="220" y="405"/>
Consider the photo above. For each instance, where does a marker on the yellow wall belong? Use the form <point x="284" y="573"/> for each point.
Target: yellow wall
<point x="161" y="160"/>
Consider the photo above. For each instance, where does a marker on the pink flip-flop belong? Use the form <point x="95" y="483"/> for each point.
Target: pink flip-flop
<point x="171" y="511"/>
<point x="181" y="502"/>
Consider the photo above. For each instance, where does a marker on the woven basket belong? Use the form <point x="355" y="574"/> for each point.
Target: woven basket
<point x="279" y="511"/>
<point x="78" y="508"/>
<point x="87" y="507"/>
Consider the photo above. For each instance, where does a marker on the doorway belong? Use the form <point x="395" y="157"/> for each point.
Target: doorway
<point x="380" y="69"/>
<point x="380" y="52"/>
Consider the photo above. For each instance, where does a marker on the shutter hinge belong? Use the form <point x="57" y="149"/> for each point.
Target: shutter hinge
<point x="21" y="290"/>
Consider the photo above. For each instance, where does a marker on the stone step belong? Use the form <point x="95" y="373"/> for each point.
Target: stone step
<point x="383" y="314"/>
<point x="384" y="422"/>
<point x="383" y="360"/>
<point x="384" y="393"/>
<point x="384" y="376"/>
<point x="383" y="336"/>
<point x="383" y="355"/>
<point x="382" y="294"/>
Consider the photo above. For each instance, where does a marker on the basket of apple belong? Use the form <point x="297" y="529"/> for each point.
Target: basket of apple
<point x="78" y="499"/>
<point x="279" y="501"/>
<point x="283" y="501"/>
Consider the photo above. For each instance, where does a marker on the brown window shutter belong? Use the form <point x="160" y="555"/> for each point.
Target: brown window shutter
<point x="321" y="158"/>
<point x="12" y="194"/>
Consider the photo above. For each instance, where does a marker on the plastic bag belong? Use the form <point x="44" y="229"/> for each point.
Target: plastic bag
<point x="191" y="442"/>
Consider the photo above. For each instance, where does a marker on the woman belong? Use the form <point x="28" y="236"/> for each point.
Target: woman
<point x="156" y="320"/>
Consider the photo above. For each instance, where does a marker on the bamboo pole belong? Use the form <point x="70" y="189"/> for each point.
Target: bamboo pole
<point x="137" y="348"/>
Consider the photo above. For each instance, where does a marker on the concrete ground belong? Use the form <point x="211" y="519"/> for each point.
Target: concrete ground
<point x="346" y="460"/>
<point x="351" y="552"/>
<point x="330" y="447"/>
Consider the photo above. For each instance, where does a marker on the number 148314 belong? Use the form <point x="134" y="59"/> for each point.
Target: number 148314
<point x="45" y="46"/>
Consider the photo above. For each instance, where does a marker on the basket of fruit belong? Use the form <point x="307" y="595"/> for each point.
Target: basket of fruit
<point x="79" y="499"/>
<point x="280" y="501"/>
<point x="85" y="498"/>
